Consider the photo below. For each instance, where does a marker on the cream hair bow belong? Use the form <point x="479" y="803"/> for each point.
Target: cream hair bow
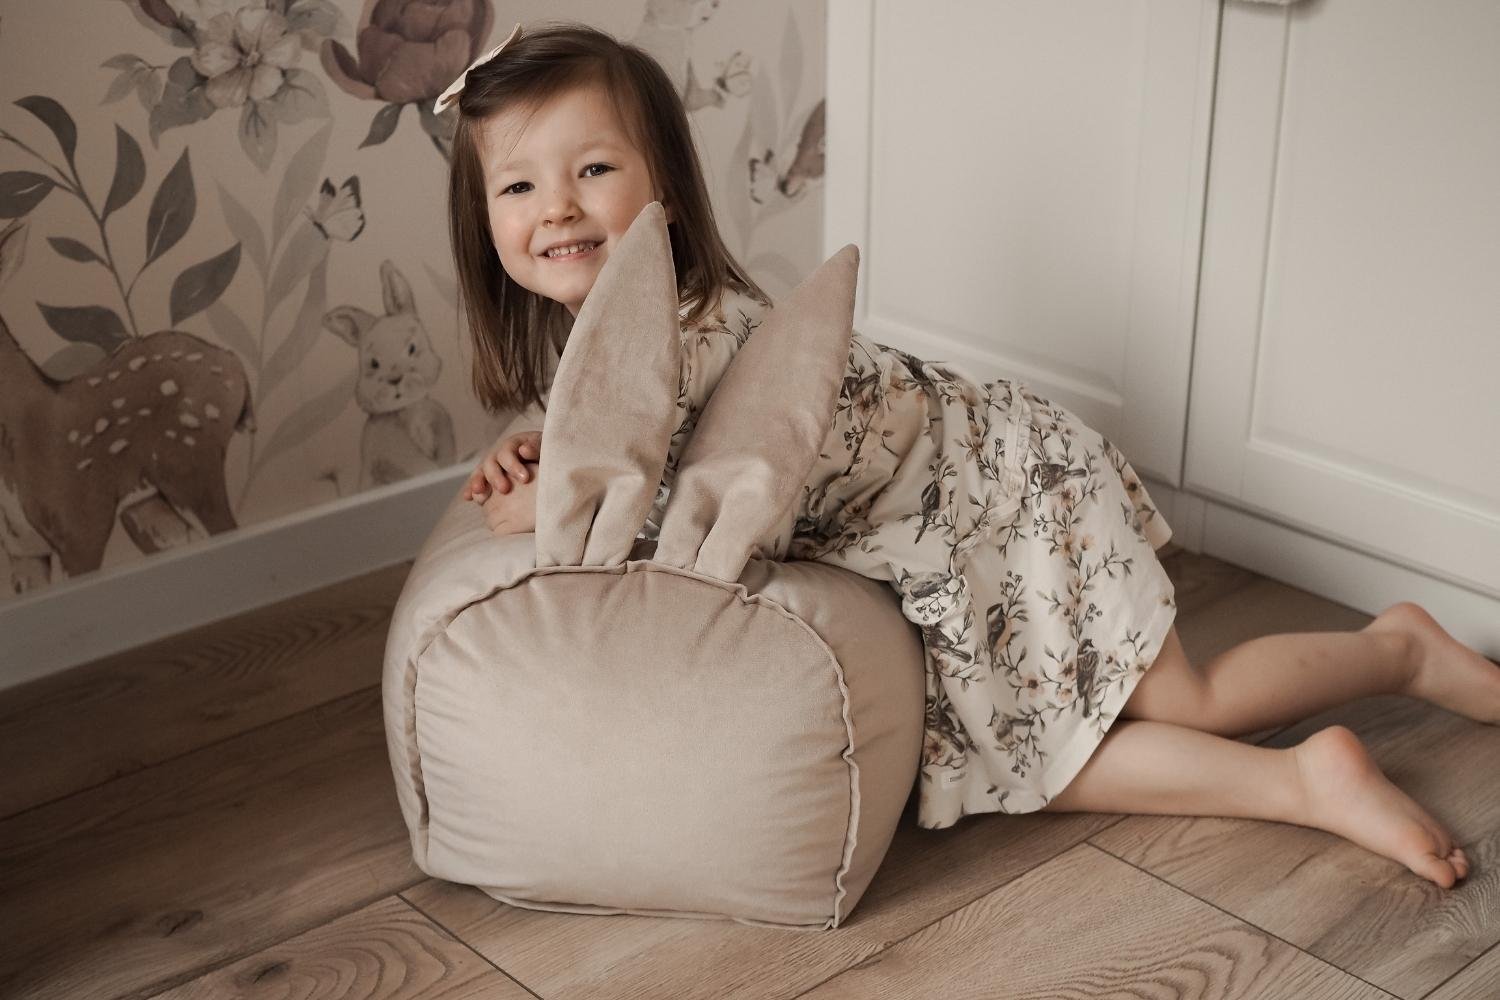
<point x="455" y="88"/>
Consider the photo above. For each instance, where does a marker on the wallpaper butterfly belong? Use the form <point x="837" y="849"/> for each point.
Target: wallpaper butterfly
<point x="339" y="213"/>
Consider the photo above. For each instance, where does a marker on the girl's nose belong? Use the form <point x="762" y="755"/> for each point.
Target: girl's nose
<point x="560" y="206"/>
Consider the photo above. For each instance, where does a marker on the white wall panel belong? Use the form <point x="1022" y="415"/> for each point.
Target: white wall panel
<point x="1025" y="182"/>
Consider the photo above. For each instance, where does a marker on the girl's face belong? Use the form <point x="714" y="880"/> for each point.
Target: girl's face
<point x="569" y="176"/>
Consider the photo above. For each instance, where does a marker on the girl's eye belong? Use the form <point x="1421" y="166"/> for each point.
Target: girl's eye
<point x="512" y="188"/>
<point x="411" y="348"/>
<point x="374" y="363"/>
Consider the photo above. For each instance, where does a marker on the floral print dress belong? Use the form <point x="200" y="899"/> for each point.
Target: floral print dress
<point x="1020" y="540"/>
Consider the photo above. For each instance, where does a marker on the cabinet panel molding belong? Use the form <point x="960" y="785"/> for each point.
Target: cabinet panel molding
<point x="1345" y="351"/>
<point x="1026" y="182"/>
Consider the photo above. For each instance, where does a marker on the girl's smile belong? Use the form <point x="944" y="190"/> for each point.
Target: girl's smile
<point x="577" y="250"/>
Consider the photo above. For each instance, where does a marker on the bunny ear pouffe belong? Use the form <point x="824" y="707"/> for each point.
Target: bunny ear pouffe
<point x="582" y="720"/>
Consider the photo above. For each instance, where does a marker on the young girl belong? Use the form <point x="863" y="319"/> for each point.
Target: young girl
<point x="1039" y="621"/>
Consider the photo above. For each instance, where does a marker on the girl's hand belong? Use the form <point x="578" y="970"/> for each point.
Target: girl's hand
<point x="513" y="511"/>
<point x="505" y="461"/>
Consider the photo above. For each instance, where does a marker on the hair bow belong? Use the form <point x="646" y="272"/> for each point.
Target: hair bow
<point x="455" y="88"/>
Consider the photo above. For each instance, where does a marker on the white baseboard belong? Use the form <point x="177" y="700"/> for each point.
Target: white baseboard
<point x="1299" y="557"/>
<point x="118" y="608"/>
<point x="80" y="620"/>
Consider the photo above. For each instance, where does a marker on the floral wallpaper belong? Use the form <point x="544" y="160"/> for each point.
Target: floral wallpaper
<point x="216" y="214"/>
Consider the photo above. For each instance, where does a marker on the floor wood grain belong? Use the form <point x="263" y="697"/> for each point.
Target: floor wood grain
<point x="1053" y="933"/>
<point x="1361" y="912"/>
<point x="926" y="874"/>
<point x="213" y="816"/>
<point x="386" y="951"/>
<point x="140" y="883"/>
<point x="148" y="705"/>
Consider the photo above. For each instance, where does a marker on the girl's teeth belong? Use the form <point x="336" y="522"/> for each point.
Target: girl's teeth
<point x="575" y="248"/>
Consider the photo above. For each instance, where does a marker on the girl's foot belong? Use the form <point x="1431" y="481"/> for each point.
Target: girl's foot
<point x="1347" y="794"/>
<point x="1447" y="673"/>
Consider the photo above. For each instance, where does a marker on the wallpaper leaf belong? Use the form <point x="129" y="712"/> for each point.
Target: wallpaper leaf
<point x="303" y="251"/>
<point x="90" y="324"/>
<point x="135" y="74"/>
<point x="258" y="133"/>
<point x="305" y="330"/>
<point x="172" y="210"/>
<point x="72" y="360"/>
<point x="231" y="330"/>
<point x="301" y="97"/>
<point x="73" y="250"/>
<point x="312" y="416"/>
<point x="383" y="125"/>
<point x="243" y="227"/>
<point x="57" y="119"/>
<point x="200" y="286"/>
<point x="319" y="16"/>
<point x="183" y="100"/>
<point x="130" y="172"/>
<point x="21" y="191"/>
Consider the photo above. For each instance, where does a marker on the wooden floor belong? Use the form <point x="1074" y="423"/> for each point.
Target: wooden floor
<point x="214" y="816"/>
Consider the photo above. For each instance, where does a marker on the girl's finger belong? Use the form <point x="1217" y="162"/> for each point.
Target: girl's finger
<point x="510" y="462"/>
<point x="495" y="474"/>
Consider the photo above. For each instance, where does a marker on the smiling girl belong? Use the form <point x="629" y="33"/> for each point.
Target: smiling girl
<point x="1037" y="635"/>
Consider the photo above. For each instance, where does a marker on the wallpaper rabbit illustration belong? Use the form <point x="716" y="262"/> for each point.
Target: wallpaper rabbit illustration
<point x="406" y="432"/>
<point x="742" y="732"/>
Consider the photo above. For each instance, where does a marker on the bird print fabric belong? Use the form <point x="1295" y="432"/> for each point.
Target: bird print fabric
<point x="1020" y="541"/>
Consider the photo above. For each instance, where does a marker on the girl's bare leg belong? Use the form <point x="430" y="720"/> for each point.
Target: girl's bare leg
<point x="1327" y="781"/>
<point x="1170" y="761"/>
<point x="1276" y="680"/>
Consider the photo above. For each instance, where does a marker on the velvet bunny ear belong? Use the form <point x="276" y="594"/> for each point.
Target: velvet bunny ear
<point x="756" y="441"/>
<point x="613" y="407"/>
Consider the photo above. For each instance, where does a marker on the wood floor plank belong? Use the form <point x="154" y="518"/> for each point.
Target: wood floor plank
<point x="1352" y="908"/>
<point x="141" y="883"/>
<point x="926" y="874"/>
<point x="1479" y="980"/>
<point x="1088" y="925"/>
<point x="117" y="715"/>
<point x="386" y="951"/>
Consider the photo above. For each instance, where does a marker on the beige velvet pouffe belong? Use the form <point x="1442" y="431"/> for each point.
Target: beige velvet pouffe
<point x="689" y="748"/>
<point x="585" y="721"/>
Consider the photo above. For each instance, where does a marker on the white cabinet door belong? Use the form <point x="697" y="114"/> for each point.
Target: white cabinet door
<point x="1025" y="183"/>
<point x="1346" y="369"/>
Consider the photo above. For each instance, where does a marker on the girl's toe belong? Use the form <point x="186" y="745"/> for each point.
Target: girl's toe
<point x="1433" y="869"/>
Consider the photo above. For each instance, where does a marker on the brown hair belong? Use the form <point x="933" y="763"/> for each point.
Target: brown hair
<point x="514" y="328"/>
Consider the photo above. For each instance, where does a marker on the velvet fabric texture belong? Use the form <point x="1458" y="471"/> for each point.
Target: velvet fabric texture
<point x="585" y="721"/>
